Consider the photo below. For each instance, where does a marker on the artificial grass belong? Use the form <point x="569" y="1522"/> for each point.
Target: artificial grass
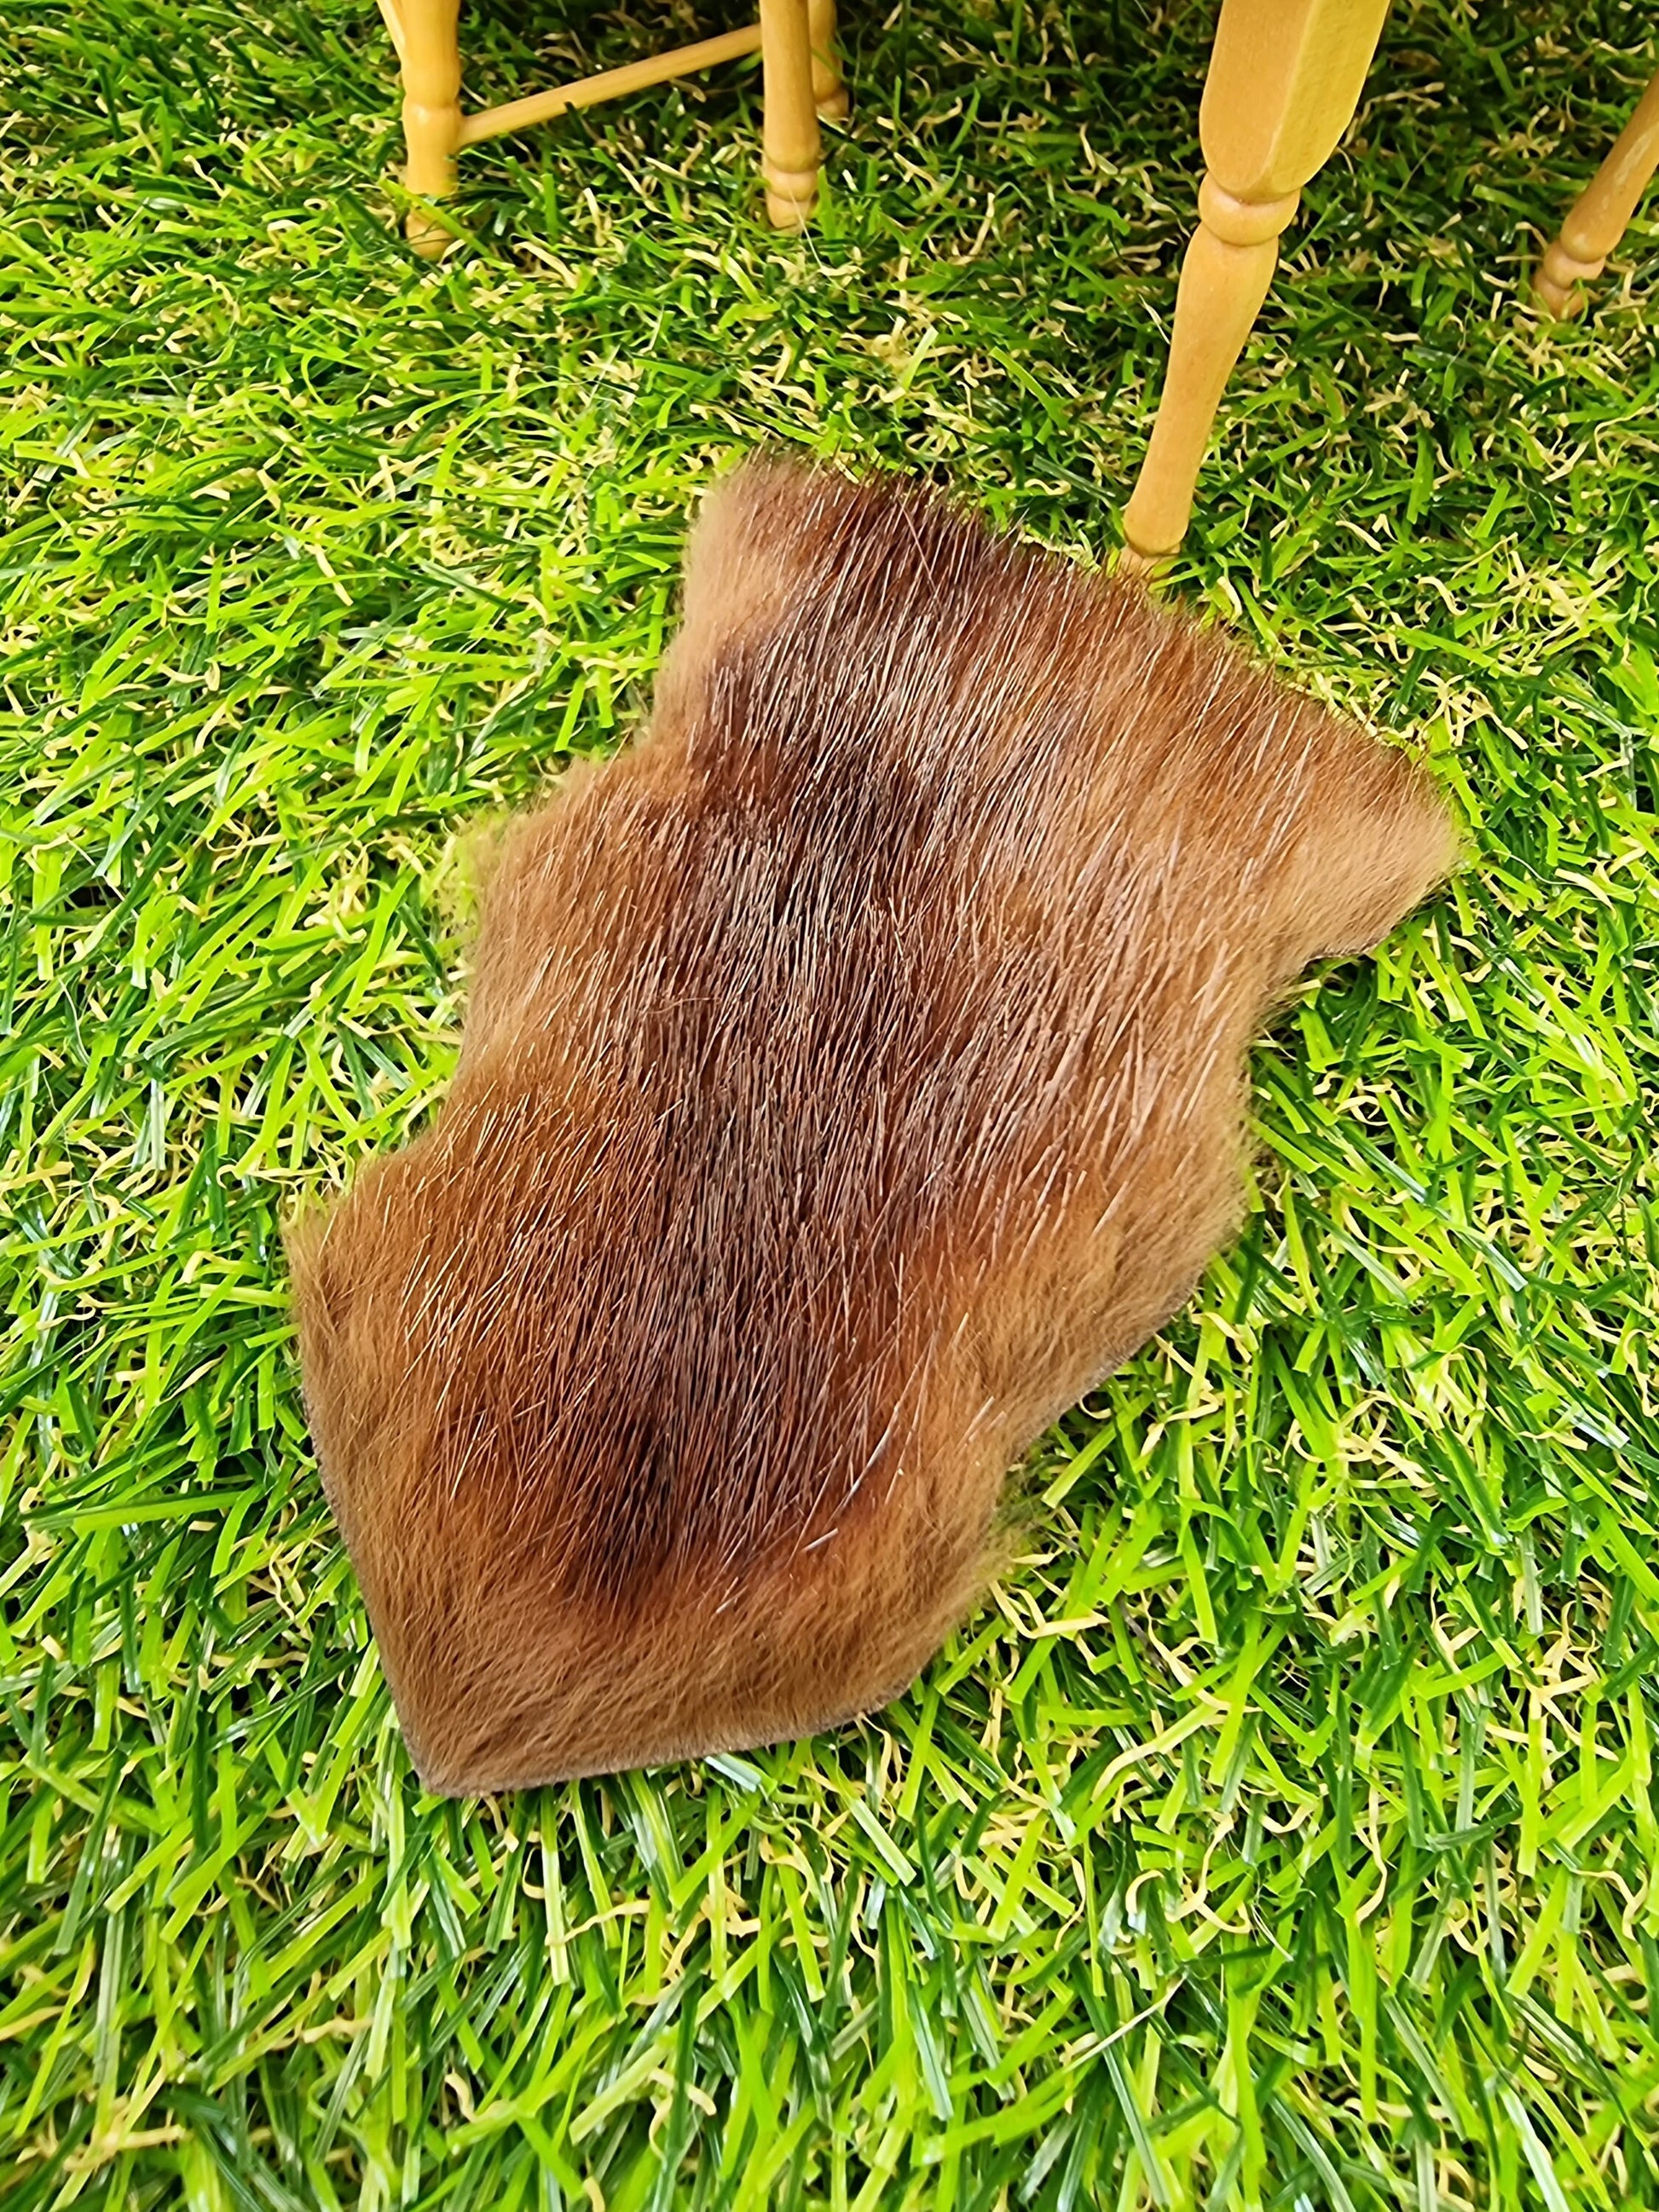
<point x="1282" y="1832"/>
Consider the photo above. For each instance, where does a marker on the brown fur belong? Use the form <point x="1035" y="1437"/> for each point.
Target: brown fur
<point x="854" y="1073"/>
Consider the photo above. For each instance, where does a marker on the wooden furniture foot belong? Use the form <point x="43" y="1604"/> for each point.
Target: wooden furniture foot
<point x="829" y="92"/>
<point x="1284" y="81"/>
<point x="789" y="125"/>
<point x="424" y="32"/>
<point x="1599" y="215"/>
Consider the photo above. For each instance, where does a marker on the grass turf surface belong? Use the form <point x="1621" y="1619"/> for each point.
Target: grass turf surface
<point x="1283" y="1831"/>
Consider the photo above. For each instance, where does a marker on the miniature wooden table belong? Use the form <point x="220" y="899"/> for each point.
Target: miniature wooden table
<point x="800" y="81"/>
<point x="1284" y="81"/>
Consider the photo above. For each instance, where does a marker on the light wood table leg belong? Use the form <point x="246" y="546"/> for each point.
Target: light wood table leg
<point x="790" y="124"/>
<point x="1284" y="81"/>
<point x="424" y="32"/>
<point x="1599" y="215"/>
<point x="829" y="92"/>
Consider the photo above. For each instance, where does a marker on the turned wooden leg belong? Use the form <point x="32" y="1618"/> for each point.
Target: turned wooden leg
<point x="829" y="92"/>
<point x="1284" y="81"/>
<point x="790" y="124"/>
<point x="1602" y="210"/>
<point x="424" y="32"/>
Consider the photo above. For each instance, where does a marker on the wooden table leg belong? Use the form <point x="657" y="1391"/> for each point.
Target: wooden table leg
<point x="789" y="124"/>
<point x="1284" y="81"/>
<point x="1599" y="214"/>
<point x="424" y="32"/>
<point x="829" y="92"/>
